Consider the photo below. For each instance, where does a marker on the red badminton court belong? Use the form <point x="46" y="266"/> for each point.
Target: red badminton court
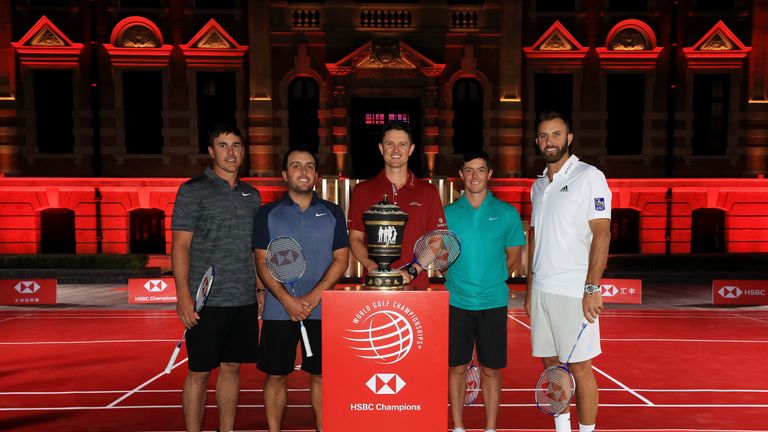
<point x="661" y="370"/>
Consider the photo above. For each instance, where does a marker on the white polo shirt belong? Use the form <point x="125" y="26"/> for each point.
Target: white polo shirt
<point x="561" y="213"/>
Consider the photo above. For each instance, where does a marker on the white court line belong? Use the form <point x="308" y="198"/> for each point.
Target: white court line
<point x="682" y="340"/>
<point x="506" y="405"/>
<point x="81" y="408"/>
<point x="305" y="390"/>
<point x="679" y="316"/>
<point x="601" y="372"/>
<point x="88" y="342"/>
<point x="14" y="317"/>
<point x="146" y="383"/>
<point x="94" y="317"/>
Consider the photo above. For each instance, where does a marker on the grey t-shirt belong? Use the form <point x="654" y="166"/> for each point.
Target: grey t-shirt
<point x="221" y="220"/>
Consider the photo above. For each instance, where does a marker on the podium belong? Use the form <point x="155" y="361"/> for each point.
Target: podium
<point x="385" y="360"/>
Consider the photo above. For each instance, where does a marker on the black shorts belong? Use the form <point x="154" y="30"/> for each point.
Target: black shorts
<point x="485" y="328"/>
<point x="223" y="335"/>
<point x="277" y="348"/>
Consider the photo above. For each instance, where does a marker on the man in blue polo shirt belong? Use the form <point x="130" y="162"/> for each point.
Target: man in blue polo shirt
<point x="492" y="239"/>
<point x="320" y="229"/>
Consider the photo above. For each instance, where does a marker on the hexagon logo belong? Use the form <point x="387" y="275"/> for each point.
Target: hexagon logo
<point x="385" y="383"/>
<point x="27" y="287"/>
<point x="155" y="285"/>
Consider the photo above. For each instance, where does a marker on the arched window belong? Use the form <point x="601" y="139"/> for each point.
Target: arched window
<point x="467" y="115"/>
<point x="216" y="103"/>
<point x="708" y="231"/>
<point x="143" y="111"/>
<point x="147" y="231"/>
<point x="53" y="110"/>
<point x="303" y="103"/>
<point x="625" y="103"/>
<point x="57" y="231"/>
<point x="625" y="231"/>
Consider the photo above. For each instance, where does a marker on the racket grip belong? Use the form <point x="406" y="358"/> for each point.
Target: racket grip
<point x="173" y="359"/>
<point x="305" y="339"/>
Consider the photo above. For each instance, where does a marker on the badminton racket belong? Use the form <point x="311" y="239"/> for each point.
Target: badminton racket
<point x="286" y="263"/>
<point x="473" y="383"/>
<point x="435" y="250"/>
<point x="203" y="292"/>
<point x="556" y="385"/>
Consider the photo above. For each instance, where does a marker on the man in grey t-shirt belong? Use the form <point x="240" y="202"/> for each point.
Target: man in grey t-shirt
<point x="212" y="225"/>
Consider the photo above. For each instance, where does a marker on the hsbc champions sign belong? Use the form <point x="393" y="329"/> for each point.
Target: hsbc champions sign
<point x="27" y="292"/>
<point x="622" y="291"/>
<point x="157" y="290"/>
<point x="390" y="359"/>
<point x="740" y="292"/>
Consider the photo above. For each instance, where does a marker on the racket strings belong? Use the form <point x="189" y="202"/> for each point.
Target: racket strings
<point x="285" y="260"/>
<point x="438" y="250"/>
<point x="554" y="390"/>
<point x="204" y="289"/>
<point x="473" y="385"/>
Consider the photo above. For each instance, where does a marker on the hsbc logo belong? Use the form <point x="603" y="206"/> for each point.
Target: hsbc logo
<point x="733" y="292"/>
<point x="27" y="287"/>
<point x="730" y="292"/>
<point x="155" y="285"/>
<point x="385" y="383"/>
<point x="609" y="290"/>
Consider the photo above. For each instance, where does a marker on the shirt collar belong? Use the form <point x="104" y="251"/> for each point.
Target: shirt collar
<point x="566" y="170"/>
<point x="486" y="201"/>
<point x="212" y="175"/>
<point x="410" y="182"/>
<point x="288" y="201"/>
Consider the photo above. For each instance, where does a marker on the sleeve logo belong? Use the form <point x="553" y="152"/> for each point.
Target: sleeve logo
<point x="599" y="204"/>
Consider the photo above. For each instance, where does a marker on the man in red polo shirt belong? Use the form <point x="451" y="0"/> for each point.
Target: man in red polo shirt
<point x="415" y="197"/>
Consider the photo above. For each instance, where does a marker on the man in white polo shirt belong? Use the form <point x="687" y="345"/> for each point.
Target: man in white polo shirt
<point x="568" y="249"/>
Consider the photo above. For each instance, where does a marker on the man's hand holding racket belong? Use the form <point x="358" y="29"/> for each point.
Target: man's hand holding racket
<point x="185" y="308"/>
<point x="190" y="317"/>
<point x="435" y="250"/>
<point x="592" y="304"/>
<point x="297" y="308"/>
<point x="286" y="264"/>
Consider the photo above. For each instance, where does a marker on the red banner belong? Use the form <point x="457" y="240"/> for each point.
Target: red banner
<point x="27" y="292"/>
<point x="740" y="292"/>
<point x="385" y="362"/>
<point x="158" y="290"/>
<point x="622" y="291"/>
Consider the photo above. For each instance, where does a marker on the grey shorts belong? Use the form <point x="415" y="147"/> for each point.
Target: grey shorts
<point x="555" y="323"/>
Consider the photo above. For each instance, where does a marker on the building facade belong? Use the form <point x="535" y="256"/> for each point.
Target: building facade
<point x="127" y="88"/>
<point x="101" y="100"/>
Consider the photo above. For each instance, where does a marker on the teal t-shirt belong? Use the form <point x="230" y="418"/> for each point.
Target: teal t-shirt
<point x="477" y="280"/>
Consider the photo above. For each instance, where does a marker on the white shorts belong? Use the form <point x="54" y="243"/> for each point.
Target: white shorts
<point x="555" y="324"/>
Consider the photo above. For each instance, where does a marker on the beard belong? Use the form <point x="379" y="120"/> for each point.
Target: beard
<point x="556" y="157"/>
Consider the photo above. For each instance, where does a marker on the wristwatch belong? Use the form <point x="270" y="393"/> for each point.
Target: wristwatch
<point x="591" y="288"/>
<point x="412" y="270"/>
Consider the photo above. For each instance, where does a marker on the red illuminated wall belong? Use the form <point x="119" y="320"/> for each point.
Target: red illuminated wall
<point x="22" y="200"/>
<point x="745" y="202"/>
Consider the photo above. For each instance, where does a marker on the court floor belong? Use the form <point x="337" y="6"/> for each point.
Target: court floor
<point x="89" y="369"/>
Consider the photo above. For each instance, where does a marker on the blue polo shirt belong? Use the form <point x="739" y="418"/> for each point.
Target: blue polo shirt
<point x="477" y="280"/>
<point x="319" y="230"/>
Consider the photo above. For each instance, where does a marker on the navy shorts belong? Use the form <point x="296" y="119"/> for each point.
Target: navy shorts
<point x="223" y="335"/>
<point x="486" y="329"/>
<point x="278" y="345"/>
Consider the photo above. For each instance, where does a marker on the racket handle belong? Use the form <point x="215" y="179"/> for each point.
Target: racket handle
<point x="175" y="354"/>
<point x="305" y="339"/>
<point x="173" y="359"/>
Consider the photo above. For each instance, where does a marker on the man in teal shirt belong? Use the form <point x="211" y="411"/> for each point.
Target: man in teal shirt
<point x="492" y="239"/>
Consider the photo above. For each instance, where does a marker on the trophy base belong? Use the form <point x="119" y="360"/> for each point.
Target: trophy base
<point x="390" y="280"/>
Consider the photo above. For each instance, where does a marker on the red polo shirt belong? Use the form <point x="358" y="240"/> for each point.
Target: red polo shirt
<point x="417" y="198"/>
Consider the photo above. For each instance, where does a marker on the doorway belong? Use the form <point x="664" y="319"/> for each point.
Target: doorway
<point x="368" y="118"/>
